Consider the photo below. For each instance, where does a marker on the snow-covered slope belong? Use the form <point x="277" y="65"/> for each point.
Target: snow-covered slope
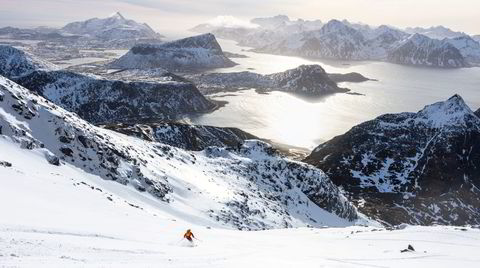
<point x="68" y="218"/>
<point x="424" y="51"/>
<point x="192" y="53"/>
<point x="115" y="26"/>
<point x="307" y="80"/>
<point x="247" y="187"/>
<point x="419" y="168"/>
<point x="15" y="62"/>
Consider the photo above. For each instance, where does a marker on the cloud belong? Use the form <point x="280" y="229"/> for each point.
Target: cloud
<point x="230" y="22"/>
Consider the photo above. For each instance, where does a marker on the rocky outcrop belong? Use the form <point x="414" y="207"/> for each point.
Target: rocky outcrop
<point x="185" y="136"/>
<point x="193" y="53"/>
<point x="417" y="168"/>
<point x="306" y="80"/>
<point x="352" y="77"/>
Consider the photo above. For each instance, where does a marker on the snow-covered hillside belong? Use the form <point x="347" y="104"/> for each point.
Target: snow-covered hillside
<point x="246" y="187"/>
<point x="68" y="218"/>
<point x="15" y="62"/>
<point x="419" y="168"/>
<point x="192" y="53"/>
<point x="116" y="26"/>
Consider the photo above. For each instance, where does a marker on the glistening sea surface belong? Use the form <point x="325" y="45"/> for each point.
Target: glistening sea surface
<point x="291" y="120"/>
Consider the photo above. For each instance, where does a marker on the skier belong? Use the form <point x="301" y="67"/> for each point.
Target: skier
<point x="189" y="235"/>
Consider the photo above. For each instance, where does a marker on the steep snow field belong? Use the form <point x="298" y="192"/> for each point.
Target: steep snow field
<point x="67" y="218"/>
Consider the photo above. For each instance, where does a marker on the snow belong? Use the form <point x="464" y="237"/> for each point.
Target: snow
<point x="56" y="219"/>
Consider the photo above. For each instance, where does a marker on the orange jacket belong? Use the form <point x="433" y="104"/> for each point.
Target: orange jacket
<point x="188" y="235"/>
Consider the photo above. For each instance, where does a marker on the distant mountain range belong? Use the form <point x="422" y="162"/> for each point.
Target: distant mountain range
<point x="113" y="31"/>
<point x="115" y="26"/>
<point x="342" y="40"/>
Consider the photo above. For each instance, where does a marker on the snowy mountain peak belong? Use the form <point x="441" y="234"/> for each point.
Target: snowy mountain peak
<point x="117" y="15"/>
<point x="116" y="26"/>
<point x="452" y="112"/>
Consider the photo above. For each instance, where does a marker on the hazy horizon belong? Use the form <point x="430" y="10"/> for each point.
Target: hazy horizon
<point x="169" y="16"/>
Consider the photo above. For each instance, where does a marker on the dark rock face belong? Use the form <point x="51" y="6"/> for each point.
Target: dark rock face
<point x="478" y="112"/>
<point x="423" y="51"/>
<point x="105" y="101"/>
<point x="348" y="77"/>
<point x="5" y="164"/>
<point x="417" y="168"/>
<point x="188" y="54"/>
<point x="189" y="137"/>
<point x="309" y="80"/>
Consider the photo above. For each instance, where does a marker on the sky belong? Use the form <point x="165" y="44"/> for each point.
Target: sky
<point x="177" y="15"/>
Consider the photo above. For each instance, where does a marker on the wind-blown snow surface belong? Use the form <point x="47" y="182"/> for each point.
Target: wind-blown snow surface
<point x="249" y="187"/>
